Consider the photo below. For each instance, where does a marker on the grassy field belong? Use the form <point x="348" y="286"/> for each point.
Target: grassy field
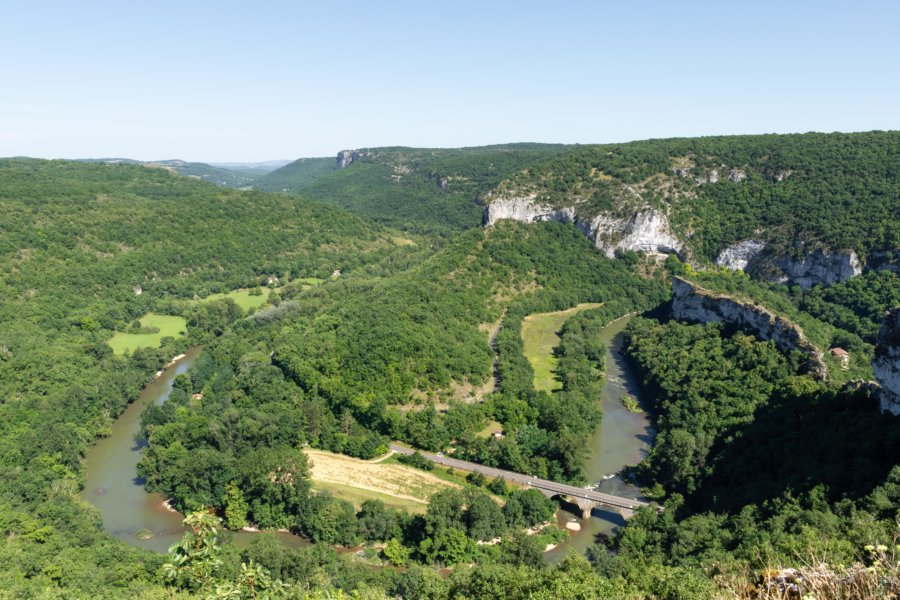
<point x="310" y="281"/>
<point x="398" y="486"/>
<point x="539" y="335"/>
<point x="242" y="298"/>
<point x="169" y="326"/>
<point x="248" y="302"/>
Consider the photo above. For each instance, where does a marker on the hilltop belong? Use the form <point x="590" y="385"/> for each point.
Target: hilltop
<point x="806" y="209"/>
<point x="418" y="189"/>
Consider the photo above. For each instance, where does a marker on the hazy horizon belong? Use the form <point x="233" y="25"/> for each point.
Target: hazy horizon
<point x="359" y="147"/>
<point x="221" y="82"/>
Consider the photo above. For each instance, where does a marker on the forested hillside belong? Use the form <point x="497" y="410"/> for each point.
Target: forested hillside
<point x="416" y="336"/>
<point x="77" y="239"/>
<point x="295" y="176"/>
<point x="417" y="189"/>
<point x="798" y="192"/>
<point x="760" y="468"/>
<point x="226" y="177"/>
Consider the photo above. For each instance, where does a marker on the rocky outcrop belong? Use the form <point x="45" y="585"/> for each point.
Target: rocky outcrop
<point x="344" y="158"/>
<point x="645" y="230"/>
<point x="693" y="303"/>
<point x="527" y="210"/>
<point x="347" y="157"/>
<point x="740" y="255"/>
<point x="886" y="364"/>
<point x="819" y="267"/>
<point x="736" y="175"/>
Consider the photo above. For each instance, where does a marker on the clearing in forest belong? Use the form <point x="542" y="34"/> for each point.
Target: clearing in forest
<point x="169" y="326"/>
<point x="540" y="335"/>
<point x="355" y="480"/>
<point x="244" y="297"/>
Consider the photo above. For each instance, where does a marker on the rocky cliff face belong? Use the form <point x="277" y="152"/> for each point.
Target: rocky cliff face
<point x="693" y="303"/>
<point x="820" y="267"/>
<point x="527" y="210"/>
<point x="816" y="267"/>
<point x="346" y="157"/>
<point x="740" y="255"/>
<point x="645" y="230"/>
<point x="887" y="362"/>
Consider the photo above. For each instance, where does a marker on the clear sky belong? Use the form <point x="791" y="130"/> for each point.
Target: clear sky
<point x="244" y="81"/>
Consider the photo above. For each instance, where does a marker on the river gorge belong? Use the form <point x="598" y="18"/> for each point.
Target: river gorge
<point x="138" y="517"/>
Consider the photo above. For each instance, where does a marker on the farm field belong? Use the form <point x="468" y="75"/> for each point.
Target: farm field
<point x="540" y="337"/>
<point x="242" y="298"/>
<point x="169" y="326"/>
<point x="355" y="480"/>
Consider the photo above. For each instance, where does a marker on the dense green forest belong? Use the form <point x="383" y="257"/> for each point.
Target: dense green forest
<point x="757" y="465"/>
<point x="416" y="189"/>
<point x="799" y="192"/>
<point x="754" y="463"/>
<point x="295" y="176"/>
<point x="76" y="240"/>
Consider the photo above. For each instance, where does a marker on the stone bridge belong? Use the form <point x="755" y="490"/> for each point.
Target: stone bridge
<point x="585" y="499"/>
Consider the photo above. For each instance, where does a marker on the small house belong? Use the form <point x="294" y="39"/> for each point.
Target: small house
<point x="842" y="355"/>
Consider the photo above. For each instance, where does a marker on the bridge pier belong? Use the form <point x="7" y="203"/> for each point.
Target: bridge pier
<point x="586" y="506"/>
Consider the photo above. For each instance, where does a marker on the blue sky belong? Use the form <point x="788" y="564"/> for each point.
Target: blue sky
<point x="219" y="81"/>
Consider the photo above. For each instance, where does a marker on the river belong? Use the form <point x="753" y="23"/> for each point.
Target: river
<point x="622" y="439"/>
<point x="140" y="518"/>
<point x="129" y="512"/>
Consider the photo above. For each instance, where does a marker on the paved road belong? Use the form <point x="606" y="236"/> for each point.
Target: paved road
<point x="558" y="488"/>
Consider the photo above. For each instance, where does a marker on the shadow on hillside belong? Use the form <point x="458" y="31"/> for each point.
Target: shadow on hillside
<point x="838" y="439"/>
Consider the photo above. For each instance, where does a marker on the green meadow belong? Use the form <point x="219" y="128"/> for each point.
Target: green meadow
<point x="540" y="335"/>
<point x="248" y="301"/>
<point x="168" y="326"/>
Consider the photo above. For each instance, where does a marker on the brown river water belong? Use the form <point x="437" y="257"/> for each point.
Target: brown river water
<point x="140" y="518"/>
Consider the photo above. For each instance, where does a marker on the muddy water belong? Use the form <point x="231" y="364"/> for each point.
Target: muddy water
<point x="622" y="439"/>
<point x="112" y="485"/>
<point x="129" y="512"/>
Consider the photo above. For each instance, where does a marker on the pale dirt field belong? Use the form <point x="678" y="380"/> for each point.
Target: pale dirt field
<point x="398" y="481"/>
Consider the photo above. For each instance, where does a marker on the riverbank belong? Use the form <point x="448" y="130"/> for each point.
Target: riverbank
<point x="622" y="439"/>
<point x="147" y="520"/>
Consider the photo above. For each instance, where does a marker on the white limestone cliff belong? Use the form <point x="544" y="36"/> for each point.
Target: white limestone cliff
<point x="645" y="230"/>
<point x="820" y="267"/>
<point x="738" y="256"/>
